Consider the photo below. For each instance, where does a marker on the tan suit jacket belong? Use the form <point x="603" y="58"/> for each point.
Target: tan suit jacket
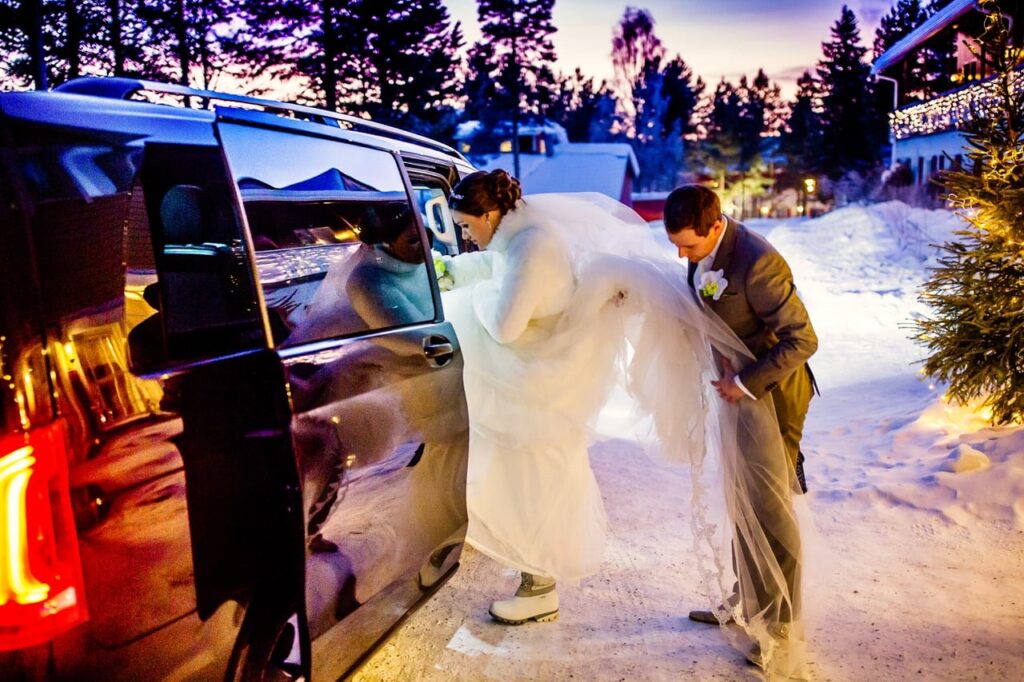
<point x="761" y="306"/>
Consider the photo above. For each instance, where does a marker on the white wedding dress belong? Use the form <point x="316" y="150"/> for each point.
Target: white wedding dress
<point x="573" y="297"/>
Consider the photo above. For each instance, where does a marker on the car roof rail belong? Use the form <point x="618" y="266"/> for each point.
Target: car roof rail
<point x="124" y="88"/>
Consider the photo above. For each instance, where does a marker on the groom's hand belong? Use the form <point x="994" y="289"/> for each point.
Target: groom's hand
<point x="726" y="386"/>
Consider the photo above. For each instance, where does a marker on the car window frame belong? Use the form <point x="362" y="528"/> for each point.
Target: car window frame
<point x="444" y="184"/>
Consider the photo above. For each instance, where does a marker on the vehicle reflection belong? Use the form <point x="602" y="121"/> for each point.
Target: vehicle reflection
<point x="381" y="440"/>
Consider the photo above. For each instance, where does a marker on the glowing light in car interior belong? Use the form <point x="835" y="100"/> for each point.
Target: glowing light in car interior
<point x="16" y="580"/>
<point x="28" y="389"/>
<point x="19" y="399"/>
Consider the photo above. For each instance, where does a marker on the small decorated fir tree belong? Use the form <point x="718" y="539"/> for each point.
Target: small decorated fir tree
<point x="975" y="332"/>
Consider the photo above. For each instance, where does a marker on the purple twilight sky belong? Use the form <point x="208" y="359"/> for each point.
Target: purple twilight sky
<point x="718" y="38"/>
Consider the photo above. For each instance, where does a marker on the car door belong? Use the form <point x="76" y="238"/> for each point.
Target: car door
<point x="204" y="333"/>
<point x="374" y="373"/>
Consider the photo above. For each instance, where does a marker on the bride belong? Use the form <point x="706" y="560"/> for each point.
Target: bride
<point x="570" y="295"/>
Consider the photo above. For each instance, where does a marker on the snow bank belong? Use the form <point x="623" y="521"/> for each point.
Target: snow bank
<point x="964" y="469"/>
<point x="859" y="270"/>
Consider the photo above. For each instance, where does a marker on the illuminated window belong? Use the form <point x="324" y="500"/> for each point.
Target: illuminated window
<point x="506" y="146"/>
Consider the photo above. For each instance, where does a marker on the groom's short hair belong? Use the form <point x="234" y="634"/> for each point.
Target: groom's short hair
<point x="692" y="207"/>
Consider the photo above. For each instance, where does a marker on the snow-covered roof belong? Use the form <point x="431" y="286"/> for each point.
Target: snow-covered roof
<point x="928" y="28"/>
<point x="467" y="129"/>
<point x="553" y="131"/>
<point x="573" y="167"/>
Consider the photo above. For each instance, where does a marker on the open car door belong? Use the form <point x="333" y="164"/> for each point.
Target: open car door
<point x="378" y="418"/>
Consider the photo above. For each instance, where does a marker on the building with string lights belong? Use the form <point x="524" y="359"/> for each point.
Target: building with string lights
<point x="941" y="78"/>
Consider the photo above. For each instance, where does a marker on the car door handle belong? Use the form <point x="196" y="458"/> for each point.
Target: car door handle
<point x="438" y="350"/>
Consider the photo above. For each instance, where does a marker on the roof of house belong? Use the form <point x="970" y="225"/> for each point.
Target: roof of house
<point x="573" y="167"/>
<point x="927" y="30"/>
<point x="553" y="131"/>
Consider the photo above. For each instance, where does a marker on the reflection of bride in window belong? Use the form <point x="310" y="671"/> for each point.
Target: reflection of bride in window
<point x="389" y="287"/>
<point x="383" y="283"/>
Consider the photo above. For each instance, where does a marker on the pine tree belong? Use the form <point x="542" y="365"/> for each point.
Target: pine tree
<point x="88" y="37"/>
<point x="721" y="150"/>
<point x="512" y="62"/>
<point x="579" y="106"/>
<point x="976" y="294"/>
<point x="925" y="72"/>
<point x="510" y="76"/>
<point x="760" y="104"/>
<point x="606" y="120"/>
<point x="769" y="98"/>
<point x="659" y="149"/>
<point x="904" y="17"/>
<point x="683" y="94"/>
<point x="939" y="56"/>
<point x="481" y="85"/>
<point x="800" y="137"/>
<point x="759" y="121"/>
<point x="409" y="75"/>
<point x="29" y="32"/>
<point x="183" y="39"/>
<point x="310" y="44"/>
<point x="853" y="126"/>
<point x="122" y="41"/>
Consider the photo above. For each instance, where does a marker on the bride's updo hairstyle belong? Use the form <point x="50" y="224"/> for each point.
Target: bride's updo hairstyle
<point x="480" y="192"/>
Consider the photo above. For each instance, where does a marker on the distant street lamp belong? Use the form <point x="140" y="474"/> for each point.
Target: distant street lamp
<point x="809" y="186"/>
<point x="513" y="20"/>
<point x="895" y="106"/>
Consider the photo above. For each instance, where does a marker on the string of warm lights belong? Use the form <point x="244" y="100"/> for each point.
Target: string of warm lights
<point x="948" y="112"/>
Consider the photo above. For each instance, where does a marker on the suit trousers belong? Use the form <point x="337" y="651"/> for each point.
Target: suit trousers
<point x="766" y="532"/>
<point x="792" y="397"/>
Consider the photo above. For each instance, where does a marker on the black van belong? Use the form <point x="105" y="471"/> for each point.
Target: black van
<point x="233" y="433"/>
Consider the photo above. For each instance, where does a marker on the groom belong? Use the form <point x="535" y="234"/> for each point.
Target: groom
<point x="755" y="296"/>
<point x="744" y="280"/>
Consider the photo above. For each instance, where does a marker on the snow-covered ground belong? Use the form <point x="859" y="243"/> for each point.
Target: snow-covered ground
<point x="919" y="506"/>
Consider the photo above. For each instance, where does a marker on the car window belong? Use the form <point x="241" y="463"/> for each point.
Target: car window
<point x="206" y="288"/>
<point x="338" y="247"/>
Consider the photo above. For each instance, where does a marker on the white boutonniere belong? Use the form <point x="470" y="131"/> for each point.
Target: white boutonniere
<point x="445" y="281"/>
<point x="713" y="284"/>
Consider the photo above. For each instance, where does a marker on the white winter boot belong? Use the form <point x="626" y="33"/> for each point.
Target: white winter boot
<point x="535" y="599"/>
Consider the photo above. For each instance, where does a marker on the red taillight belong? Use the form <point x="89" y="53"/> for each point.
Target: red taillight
<point x="41" y="591"/>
